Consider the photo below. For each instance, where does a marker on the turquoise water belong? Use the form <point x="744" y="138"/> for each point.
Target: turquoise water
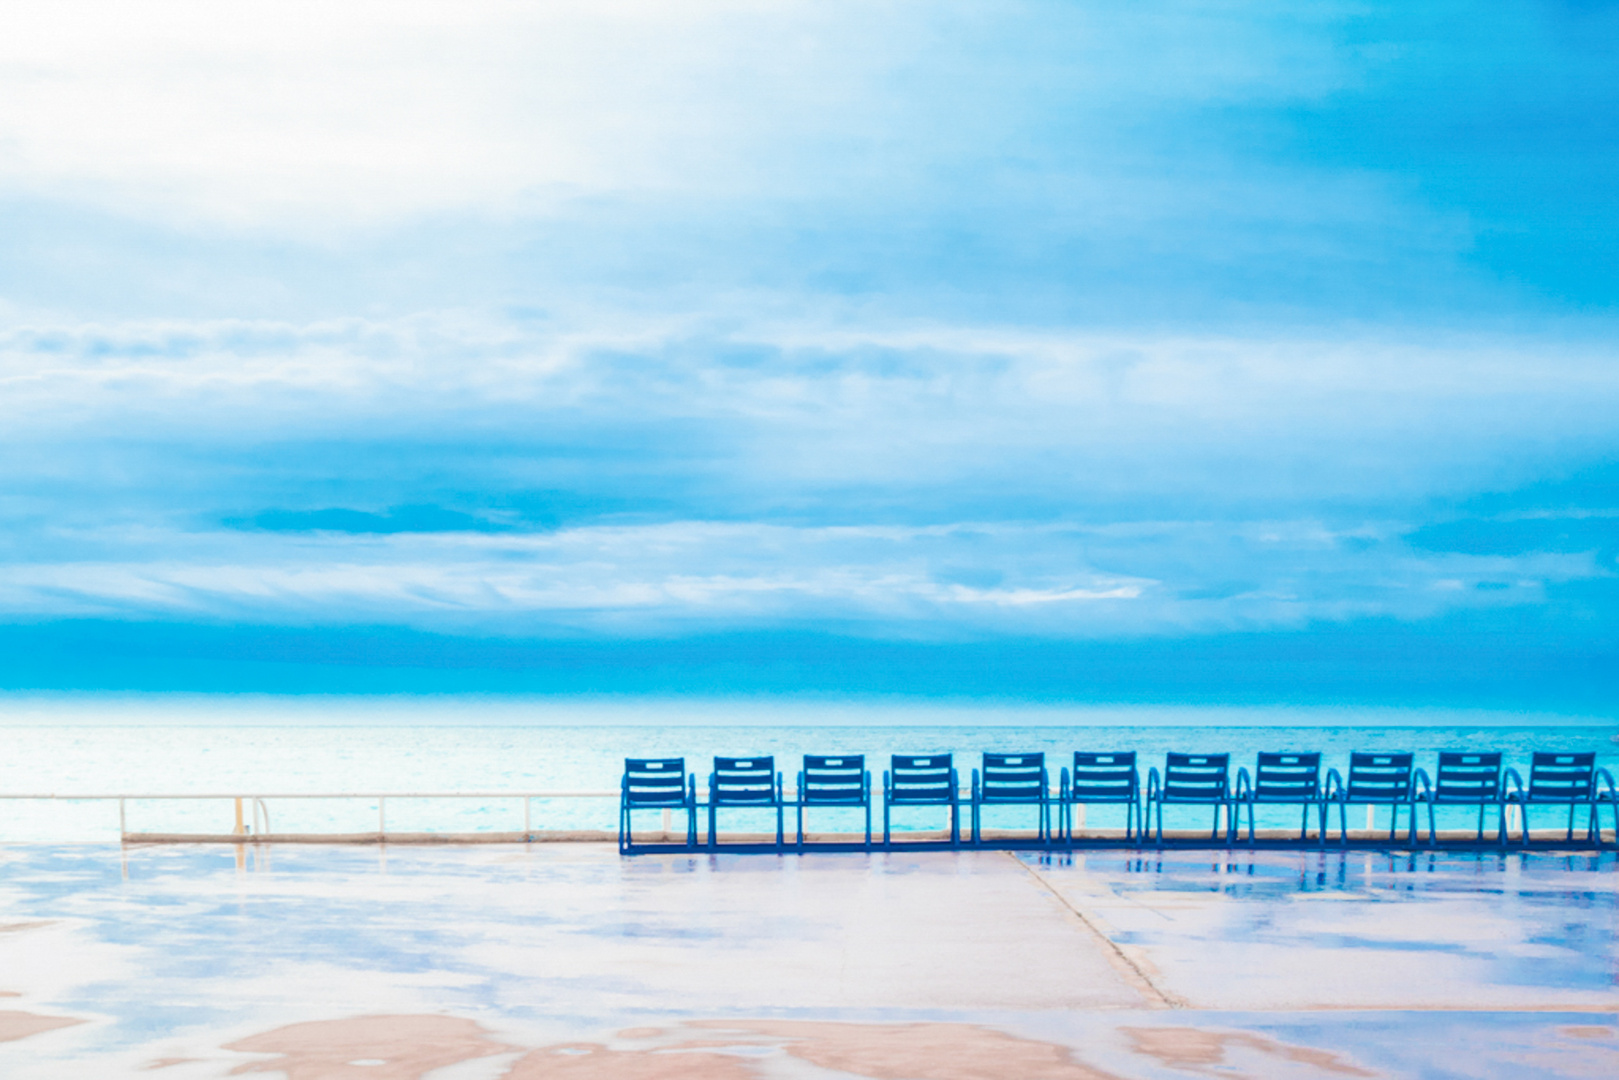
<point x="377" y="757"/>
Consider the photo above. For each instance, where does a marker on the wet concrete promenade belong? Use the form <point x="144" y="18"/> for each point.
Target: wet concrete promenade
<point x="564" y="960"/>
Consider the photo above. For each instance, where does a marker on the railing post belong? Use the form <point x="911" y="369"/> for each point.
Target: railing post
<point x="240" y="828"/>
<point x="528" y="833"/>
<point x="123" y="829"/>
<point x="382" y="816"/>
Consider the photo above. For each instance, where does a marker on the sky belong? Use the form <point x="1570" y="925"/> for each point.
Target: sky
<point x="1047" y="351"/>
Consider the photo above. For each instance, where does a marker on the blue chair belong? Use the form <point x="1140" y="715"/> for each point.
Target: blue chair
<point x="922" y="780"/>
<point x="1465" y="779"/>
<point x="1566" y="780"/>
<point x="1286" y="780"/>
<point x="1012" y="780"/>
<point x="751" y="783"/>
<point x="1101" y="778"/>
<point x="655" y="784"/>
<point x="1375" y="780"/>
<point x="834" y="781"/>
<point x="1193" y="780"/>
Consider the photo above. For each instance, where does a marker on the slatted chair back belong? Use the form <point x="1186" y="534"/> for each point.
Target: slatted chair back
<point x="1013" y="778"/>
<point x="743" y="782"/>
<point x="1562" y="778"/>
<point x="1379" y="778"/>
<point x="834" y="781"/>
<point x="1466" y="777"/>
<point x="1287" y="778"/>
<point x="1101" y="778"/>
<point x="921" y="779"/>
<point x="654" y="782"/>
<point x="1202" y="778"/>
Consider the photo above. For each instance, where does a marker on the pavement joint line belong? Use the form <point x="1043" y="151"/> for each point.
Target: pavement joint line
<point x="1133" y="974"/>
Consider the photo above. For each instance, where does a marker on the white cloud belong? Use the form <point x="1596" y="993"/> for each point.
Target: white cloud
<point x="1043" y="417"/>
<point x="1062" y="581"/>
<point x="364" y="111"/>
<point x="306" y="114"/>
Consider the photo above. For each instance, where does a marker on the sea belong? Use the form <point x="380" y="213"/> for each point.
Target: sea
<point x="319" y="765"/>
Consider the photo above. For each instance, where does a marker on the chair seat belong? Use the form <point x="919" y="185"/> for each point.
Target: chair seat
<point x="833" y="798"/>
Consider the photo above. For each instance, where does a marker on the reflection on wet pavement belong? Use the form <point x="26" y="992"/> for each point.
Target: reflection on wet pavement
<point x="378" y="1047"/>
<point x="20" y="1025"/>
<point x="567" y="961"/>
<point x="1362" y="930"/>
<point x="1197" y="1050"/>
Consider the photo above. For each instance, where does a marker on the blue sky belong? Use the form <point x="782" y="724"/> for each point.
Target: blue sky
<point x="1163" y="351"/>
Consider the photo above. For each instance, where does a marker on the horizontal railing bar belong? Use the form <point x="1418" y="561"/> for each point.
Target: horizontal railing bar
<point x="335" y="795"/>
<point x="788" y="792"/>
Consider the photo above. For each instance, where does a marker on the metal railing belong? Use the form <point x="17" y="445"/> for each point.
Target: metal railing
<point x="251" y="821"/>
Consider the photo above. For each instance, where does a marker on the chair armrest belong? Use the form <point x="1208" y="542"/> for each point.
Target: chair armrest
<point x="865" y="783"/>
<point x="1045" y="782"/>
<point x="691" y="789"/>
<point x="955" y="785"/>
<point x="1135" y="778"/>
<point x="1421" y="787"/>
<point x="886" y="785"/>
<point x="1603" y="776"/>
<point x="1244" y="785"/>
<point x="1152" y="784"/>
<point x="1062" y="786"/>
<point x="780" y="794"/>
<point x="1511" y="777"/>
<point x="975" y="786"/>
<point x="1335" y="786"/>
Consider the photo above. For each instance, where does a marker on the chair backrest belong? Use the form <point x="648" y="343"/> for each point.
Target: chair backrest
<point x="1105" y="777"/>
<point x="1562" y="777"/>
<point x="921" y="778"/>
<point x="1013" y="778"/>
<point x="1468" y="777"/>
<point x="1197" y="777"/>
<point x="1380" y="777"/>
<point x="654" y="781"/>
<point x="743" y="781"/>
<point x="1287" y="777"/>
<point x="834" y="781"/>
